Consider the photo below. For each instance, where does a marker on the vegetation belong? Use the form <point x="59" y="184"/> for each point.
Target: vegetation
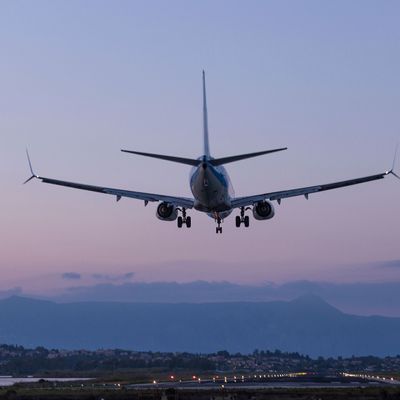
<point x="176" y="394"/>
<point x="19" y="361"/>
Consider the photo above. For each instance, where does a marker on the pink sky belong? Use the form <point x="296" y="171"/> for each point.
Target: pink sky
<point x="77" y="86"/>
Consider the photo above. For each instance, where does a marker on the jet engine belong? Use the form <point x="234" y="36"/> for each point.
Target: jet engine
<point x="263" y="210"/>
<point x="166" y="212"/>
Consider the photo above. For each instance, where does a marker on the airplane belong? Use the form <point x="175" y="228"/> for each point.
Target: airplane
<point x="211" y="187"/>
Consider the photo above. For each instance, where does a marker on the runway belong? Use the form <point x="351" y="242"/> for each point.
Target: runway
<point x="318" y="382"/>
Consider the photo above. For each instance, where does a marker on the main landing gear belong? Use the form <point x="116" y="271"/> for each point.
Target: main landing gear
<point x="243" y="218"/>
<point x="184" y="220"/>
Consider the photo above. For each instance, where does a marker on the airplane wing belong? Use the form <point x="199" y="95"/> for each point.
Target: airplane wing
<point x="304" y="191"/>
<point x="119" y="193"/>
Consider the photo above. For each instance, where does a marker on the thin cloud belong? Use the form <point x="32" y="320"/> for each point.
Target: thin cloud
<point x="113" y="277"/>
<point x="388" y="264"/>
<point x="71" y="276"/>
<point x="16" y="291"/>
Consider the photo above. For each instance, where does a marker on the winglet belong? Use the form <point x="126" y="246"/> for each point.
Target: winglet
<point x="394" y="164"/>
<point x="30" y="167"/>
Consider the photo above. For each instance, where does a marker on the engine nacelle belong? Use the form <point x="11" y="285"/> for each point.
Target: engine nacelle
<point x="166" y="212"/>
<point x="263" y="210"/>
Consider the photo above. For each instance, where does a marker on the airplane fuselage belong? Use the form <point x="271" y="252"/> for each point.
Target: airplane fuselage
<point x="212" y="189"/>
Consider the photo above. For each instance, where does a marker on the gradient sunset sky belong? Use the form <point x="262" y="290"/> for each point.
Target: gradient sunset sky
<point x="80" y="80"/>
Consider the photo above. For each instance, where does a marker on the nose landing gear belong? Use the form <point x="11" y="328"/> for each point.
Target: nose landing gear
<point x="218" y="219"/>
<point x="243" y="218"/>
<point x="184" y="220"/>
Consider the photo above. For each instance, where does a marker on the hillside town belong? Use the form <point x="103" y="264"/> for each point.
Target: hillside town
<point x="17" y="360"/>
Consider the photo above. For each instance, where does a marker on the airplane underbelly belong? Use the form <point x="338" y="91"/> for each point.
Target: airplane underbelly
<point x="211" y="195"/>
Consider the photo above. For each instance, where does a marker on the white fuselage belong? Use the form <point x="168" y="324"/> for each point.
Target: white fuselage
<point x="212" y="189"/>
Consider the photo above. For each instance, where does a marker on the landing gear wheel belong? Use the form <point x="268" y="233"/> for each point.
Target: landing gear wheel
<point x="243" y="218"/>
<point x="219" y="227"/>
<point x="180" y="222"/>
<point x="183" y="219"/>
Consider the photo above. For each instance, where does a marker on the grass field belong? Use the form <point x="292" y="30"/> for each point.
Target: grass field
<point x="77" y="393"/>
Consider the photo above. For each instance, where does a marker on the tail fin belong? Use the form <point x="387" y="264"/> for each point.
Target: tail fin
<point x="205" y="119"/>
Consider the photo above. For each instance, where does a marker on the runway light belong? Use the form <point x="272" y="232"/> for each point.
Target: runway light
<point x="172" y="377"/>
<point x="194" y="377"/>
<point x="154" y="382"/>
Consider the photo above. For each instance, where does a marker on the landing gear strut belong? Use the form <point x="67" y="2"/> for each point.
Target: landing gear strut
<point x="218" y="229"/>
<point x="242" y="218"/>
<point x="181" y="220"/>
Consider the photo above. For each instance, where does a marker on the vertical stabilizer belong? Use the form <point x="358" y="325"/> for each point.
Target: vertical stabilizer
<point x="205" y="119"/>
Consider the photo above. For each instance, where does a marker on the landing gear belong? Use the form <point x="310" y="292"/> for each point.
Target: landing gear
<point x="218" y="229"/>
<point x="184" y="220"/>
<point x="242" y="218"/>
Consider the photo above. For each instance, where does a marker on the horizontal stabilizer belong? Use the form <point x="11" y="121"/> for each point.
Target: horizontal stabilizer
<point x="226" y="160"/>
<point x="181" y="160"/>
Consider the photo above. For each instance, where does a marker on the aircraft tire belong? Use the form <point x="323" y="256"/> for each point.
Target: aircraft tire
<point x="238" y="221"/>
<point x="180" y="222"/>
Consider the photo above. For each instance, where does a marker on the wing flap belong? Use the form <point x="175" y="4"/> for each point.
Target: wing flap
<point x="177" y="201"/>
<point x="250" y="200"/>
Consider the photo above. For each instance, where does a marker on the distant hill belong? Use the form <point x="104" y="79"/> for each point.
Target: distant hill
<point x="307" y="325"/>
<point x="381" y="298"/>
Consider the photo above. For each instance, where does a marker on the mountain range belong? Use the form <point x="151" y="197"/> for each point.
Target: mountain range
<point x="307" y="325"/>
<point x="361" y="298"/>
